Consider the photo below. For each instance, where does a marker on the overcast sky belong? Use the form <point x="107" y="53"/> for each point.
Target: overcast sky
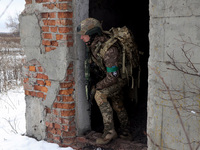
<point x="17" y="6"/>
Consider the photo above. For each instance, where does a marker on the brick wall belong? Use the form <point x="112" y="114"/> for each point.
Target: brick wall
<point x="56" y="27"/>
<point x="60" y="125"/>
<point x="59" y="120"/>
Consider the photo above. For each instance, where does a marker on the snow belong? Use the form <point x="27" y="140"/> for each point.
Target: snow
<point x="12" y="124"/>
<point x="18" y="142"/>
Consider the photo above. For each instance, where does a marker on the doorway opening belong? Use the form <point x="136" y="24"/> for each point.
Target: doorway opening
<point x="134" y="15"/>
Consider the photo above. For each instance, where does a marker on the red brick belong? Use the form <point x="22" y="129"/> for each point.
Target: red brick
<point x="58" y="132"/>
<point x="55" y="112"/>
<point x="65" y="128"/>
<point x="69" y="106"/>
<point x="47" y="35"/>
<point x="64" y="105"/>
<point x="54" y="43"/>
<point x="32" y="93"/>
<point x="65" y="0"/>
<point x="40" y="69"/>
<point x="66" y="92"/>
<point x="51" y="130"/>
<point x="48" y="124"/>
<point x="41" y="88"/>
<point x="54" y="29"/>
<point x="40" y="95"/>
<point x="56" y="138"/>
<point x="27" y="92"/>
<point x="65" y="121"/>
<point x="67" y="99"/>
<point x="43" y="1"/>
<point x="48" y="110"/>
<point x="68" y="134"/>
<point x="72" y="128"/>
<point x="38" y="1"/>
<point x="66" y="85"/>
<point x="26" y="80"/>
<point x="44" y="15"/>
<point x="45" y="29"/>
<point x="49" y="135"/>
<point x="42" y="76"/>
<point x="65" y="14"/>
<point x="69" y="37"/>
<point x="45" y="77"/>
<point x="54" y="131"/>
<point x="46" y="42"/>
<point x="64" y="22"/>
<point x="65" y="29"/>
<point x="32" y="68"/>
<point x="47" y="83"/>
<point x="28" y="2"/>
<point x="59" y="36"/>
<point x="63" y="6"/>
<point x="68" y="113"/>
<point x="49" y="6"/>
<point x="55" y="105"/>
<point x="57" y="126"/>
<point x="49" y="22"/>
<point x="58" y="98"/>
<point x="48" y="49"/>
<point x="40" y="82"/>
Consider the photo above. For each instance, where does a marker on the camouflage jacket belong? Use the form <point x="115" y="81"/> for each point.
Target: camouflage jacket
<point x="110" y="59"/>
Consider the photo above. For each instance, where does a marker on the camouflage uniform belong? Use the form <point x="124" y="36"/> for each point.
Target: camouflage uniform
<point x="110" y="86"/>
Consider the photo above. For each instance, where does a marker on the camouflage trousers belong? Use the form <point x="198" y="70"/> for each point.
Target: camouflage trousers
<point x="114" y="93"/>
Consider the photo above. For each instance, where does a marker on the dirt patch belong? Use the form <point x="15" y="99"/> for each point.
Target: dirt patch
<point x="87" y="142"/>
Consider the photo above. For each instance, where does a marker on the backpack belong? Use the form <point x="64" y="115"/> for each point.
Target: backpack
<point x="130" y="53"/>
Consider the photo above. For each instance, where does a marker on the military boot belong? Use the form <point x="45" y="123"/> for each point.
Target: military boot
<point x="125" y="134"/>
<point x="107" y="137"/>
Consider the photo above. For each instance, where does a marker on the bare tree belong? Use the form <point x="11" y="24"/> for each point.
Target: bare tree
<point x="13" y="23"/>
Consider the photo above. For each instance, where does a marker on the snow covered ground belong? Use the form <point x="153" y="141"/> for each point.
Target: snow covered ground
<point x="12" y="124"/>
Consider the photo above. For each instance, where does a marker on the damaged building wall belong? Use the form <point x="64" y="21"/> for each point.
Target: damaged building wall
<point x="56" y="105"/>
<point x="173" y="92"/>
<point x="54" y="70"/>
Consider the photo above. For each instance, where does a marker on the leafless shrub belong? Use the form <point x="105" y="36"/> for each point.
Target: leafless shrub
<point x="11" y="55"/>
<point x="178" y="96"/>
<point x="12" y="124"/>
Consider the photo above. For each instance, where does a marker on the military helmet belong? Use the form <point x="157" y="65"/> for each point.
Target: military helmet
<point x="87" y="25"/>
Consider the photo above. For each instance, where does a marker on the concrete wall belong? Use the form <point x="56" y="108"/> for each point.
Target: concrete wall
<point x="56" y="105"/>
<point x="173" y="92"/>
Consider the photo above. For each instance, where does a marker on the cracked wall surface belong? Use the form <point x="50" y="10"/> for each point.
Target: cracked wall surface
<point x="57" y="110"/>
<point x="173" y="100"/>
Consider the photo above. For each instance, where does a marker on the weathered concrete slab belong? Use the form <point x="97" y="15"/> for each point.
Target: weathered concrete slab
<point x="173" y="99"/>
<point x="174" y="8"/>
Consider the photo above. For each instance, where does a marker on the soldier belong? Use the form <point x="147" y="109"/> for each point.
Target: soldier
<point x="111" y="85"/>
